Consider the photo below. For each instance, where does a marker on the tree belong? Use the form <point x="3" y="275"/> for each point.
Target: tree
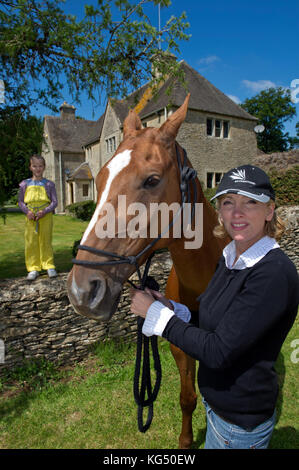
<point x="294" y="141"/>
<point x="20" y="136"/>
<point x="112" y="49"/>
<point x="273" y="108"/>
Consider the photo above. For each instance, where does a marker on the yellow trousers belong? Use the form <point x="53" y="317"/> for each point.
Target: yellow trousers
<point x="38" y="244"/>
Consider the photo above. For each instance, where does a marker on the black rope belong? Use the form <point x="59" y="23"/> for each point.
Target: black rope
<point x="143" y="390"/>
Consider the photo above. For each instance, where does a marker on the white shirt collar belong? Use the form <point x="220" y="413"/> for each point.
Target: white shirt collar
<point x="251" y="256"/>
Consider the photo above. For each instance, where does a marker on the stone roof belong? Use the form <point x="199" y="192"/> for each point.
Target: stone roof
<point x="204" y="97"/>
<point x="68" y="135"/>
<point x="81" y="173"/>
<point x="95" y="133"/>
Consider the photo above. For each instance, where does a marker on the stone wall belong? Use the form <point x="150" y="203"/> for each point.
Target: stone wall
<point x="37" y="320"/>
<point x="290" y="240"/>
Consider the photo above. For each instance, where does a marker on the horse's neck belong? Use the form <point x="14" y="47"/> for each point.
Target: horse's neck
<point x="195" y="267"/>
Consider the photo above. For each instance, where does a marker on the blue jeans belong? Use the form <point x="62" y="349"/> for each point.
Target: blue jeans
<point x="223" y="435"/>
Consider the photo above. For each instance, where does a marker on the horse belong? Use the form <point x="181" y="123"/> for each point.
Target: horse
<point x="145" y="169"/>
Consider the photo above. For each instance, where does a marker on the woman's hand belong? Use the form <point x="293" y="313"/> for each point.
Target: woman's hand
<point x="158" y="296"/>
<point x="141" y="301"/>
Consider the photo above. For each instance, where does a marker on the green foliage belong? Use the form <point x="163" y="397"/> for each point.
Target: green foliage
<point x="208" y="193"/>
<point x="33" y="374"/>
<point x="286" y="186"/>
<point x="272" y="107"/>
<point x="82" y="210"/>
<point x="294" y="141"/>
<point x="110" y="49"/>
<point x="20" y="137"/>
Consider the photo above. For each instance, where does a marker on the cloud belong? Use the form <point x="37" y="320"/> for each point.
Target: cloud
<point x="208" y="60"/>
<point x="259" y="85"/>
<point x="234" y="98"/>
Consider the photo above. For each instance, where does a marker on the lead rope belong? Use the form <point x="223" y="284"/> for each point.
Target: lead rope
<point x="143" y="355"/>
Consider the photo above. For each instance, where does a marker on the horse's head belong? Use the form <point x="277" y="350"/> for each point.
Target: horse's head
<point x="143" y="170"/>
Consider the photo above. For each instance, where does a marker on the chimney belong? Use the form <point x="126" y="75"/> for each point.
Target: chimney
<point x="67" y="111"/>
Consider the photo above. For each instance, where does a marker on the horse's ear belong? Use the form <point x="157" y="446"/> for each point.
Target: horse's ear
<point x="132" y="123"/>
<point x="170" y="128"/>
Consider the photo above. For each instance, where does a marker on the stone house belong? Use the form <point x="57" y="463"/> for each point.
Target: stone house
<point x="65" y="158"/>
<point x="217" y="133"/>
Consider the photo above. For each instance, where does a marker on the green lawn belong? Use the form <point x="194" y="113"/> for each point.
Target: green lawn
<point x="91" y="405"/>
<point x="12" y="264"/>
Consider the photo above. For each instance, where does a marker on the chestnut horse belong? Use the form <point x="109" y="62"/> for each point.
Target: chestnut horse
<point x="145" y="169"/>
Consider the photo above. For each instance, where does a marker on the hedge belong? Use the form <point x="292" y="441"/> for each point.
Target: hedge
<point x="82" y="210"/>
<point x="286" y="186"/>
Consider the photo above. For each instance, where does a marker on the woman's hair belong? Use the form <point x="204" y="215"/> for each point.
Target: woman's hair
<point x="38" y="157"/>
<point x="274" y="229"/>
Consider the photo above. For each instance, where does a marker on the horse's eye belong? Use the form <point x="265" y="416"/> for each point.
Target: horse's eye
<point x="151" y="181"/>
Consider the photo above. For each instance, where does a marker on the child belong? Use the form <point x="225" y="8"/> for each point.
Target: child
<point x="37" y="199"/>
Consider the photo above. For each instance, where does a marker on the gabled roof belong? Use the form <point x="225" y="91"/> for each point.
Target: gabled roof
<point x="95" y="133"/>
<point x="204" y="97"/>
<point x="68" y="135"/>
<point x="122" y="107"/>
<point x="83" y="172"/>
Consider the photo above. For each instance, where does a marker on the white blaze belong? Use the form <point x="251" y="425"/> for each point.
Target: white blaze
<point x="115" y="166"/>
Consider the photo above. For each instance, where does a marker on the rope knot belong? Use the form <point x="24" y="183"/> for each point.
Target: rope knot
<point x="188" y="173"/>
<point x="132" y="259"/>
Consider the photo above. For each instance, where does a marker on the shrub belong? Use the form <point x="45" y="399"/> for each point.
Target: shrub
<point x="82" y="210"/>
<point x="285" y="185"/>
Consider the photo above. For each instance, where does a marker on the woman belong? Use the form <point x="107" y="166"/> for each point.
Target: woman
<point x="245" y="315"/>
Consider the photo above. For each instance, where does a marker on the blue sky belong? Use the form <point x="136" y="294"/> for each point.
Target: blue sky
<point x="240" y="46"/>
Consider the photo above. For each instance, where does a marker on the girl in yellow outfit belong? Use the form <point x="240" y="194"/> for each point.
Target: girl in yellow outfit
<point x="37" y="199"/>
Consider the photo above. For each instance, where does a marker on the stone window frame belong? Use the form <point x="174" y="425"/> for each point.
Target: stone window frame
<point x="213" y="178"/>
<point x="218" y="128"/>
<point x="110" y="144"/>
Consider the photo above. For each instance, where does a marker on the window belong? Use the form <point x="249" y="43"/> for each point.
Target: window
<point x="217" y="128"/>
<point x="225" y="129"/>
<point x="213" y="179"/>
<point x="209" y="127"/>
<point x="218" y="177"/>
<point x="85" y="190"/>
<point x="210" y="180"/>
<point x="111" y="144"/>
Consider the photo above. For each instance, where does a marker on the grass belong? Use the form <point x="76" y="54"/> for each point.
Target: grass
<point x="66" y="230"/>
<point x="91" y="405"/>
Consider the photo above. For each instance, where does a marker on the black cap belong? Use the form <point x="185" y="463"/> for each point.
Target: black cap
<point x="247" y="180"/>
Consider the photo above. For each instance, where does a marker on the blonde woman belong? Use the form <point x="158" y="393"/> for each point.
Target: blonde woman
<point x="245" y="315"/>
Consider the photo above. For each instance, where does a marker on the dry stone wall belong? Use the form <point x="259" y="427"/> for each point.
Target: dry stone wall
<point x="37" y="320"/>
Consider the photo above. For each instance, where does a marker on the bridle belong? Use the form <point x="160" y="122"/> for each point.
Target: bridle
<point x="187" y="174"/>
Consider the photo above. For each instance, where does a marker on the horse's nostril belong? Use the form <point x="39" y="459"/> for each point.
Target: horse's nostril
<point x="96" y="292"/>
<point x="94" y="287"/>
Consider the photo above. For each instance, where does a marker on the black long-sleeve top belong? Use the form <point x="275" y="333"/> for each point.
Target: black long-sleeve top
<point x="244" y="318"/>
